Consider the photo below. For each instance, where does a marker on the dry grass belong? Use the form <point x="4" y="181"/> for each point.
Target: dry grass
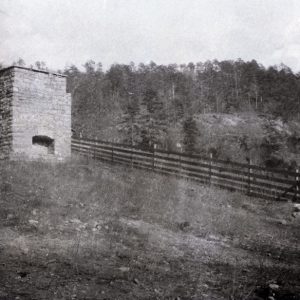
<point x="131" y="234"/>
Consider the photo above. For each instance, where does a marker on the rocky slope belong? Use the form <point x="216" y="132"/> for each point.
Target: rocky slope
<point x="265" y="140"/>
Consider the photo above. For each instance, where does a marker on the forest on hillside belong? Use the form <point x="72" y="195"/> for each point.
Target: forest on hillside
<point x="142" y="104"/>
<point x="160" y="104"/>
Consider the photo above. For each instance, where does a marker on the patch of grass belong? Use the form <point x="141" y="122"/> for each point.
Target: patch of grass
<point x="150" y="235"/>
<point x="89" y="191"/>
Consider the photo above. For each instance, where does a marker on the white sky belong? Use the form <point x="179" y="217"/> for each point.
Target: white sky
<point x="61" y="32"/>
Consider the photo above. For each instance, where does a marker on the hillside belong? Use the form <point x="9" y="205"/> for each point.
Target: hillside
<point x="81" y="230"/>
<point x="241" y="109"/>
<point x="266" y="141"/>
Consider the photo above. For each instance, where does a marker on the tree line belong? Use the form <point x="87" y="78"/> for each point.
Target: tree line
<point x="146" y="100"/>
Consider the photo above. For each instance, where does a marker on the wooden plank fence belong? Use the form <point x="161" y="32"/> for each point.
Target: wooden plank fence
<point x="270" y="184"/>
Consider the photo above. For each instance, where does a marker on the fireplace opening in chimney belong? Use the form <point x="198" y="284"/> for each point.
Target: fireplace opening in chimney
<point x="44" y="141"/>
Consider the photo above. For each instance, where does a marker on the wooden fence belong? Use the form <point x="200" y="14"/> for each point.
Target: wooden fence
<point x="270" y="184"/>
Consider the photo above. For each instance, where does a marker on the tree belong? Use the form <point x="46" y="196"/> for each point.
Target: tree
<point x="190" y="134"/>
<point x="40" y="65"/>
<point x="20" y="62"/>
<point x="130" y="126"/>
<point x="152" y="118"/>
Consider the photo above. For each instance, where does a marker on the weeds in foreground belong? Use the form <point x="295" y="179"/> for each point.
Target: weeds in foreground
<point x="91" y="206"/>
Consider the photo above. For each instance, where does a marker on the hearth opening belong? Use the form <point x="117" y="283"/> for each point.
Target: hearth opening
<point x="44" y="141"/>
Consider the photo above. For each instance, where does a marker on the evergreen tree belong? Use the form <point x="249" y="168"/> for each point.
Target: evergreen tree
<point x="190" y="134"/>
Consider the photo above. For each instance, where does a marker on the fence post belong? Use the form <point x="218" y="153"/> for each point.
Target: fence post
<point x="297" y="184"/>
<point x="178" y="145"/>
<point x="131" y="156"/>
<point x="153" y="162"/>
<point x="95" y="150"/>
<point x="180" y="158"/>
<point x="249" y="176"/>
<point x="210" y="165"/>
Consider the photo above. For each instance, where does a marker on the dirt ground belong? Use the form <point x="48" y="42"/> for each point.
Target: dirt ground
<point x="62" y="236"/>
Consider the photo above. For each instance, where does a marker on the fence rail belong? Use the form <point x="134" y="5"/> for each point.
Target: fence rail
<point x="270" y="184"/>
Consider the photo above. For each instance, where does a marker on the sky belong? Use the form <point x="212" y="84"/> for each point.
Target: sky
<point x="64" y="32"/>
